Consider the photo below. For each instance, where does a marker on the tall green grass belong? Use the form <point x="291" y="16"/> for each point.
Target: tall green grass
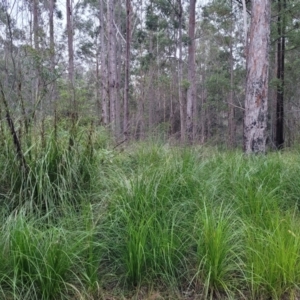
<point x="272" y="257"/>
<point x="93" y="222"/>
<point x="219" y="251"/>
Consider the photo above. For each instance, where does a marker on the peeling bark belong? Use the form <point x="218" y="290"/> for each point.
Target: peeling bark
<point x="256" y="102"/>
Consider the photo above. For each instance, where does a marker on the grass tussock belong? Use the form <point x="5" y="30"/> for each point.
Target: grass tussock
<point x="147" y="221"/>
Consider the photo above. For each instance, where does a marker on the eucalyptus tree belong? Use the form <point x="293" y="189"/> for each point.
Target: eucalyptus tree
<point x="70" y="37"/>
<point x="112" y="67"/>
<point x="103" y="69"/>
<point x="180" y="71"/>
<point x="53" y="88"/>
<point x="191" y="92"/>
<point x="127" y="69"/>
<point x="36" y="34"/>
<point x="256" y="100"/>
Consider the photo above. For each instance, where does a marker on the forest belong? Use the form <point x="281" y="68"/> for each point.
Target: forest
<point x="149" y="149"/>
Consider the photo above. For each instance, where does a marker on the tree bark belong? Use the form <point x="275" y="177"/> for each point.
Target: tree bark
<point x="53" y="92"/>
<point x="112" y="70"/>
<point x="36" y="47"/>
<point x="11" y="125"/>
<point x="103" y="59"/>
<point x="35" y="24"/>
<point x="151" y="96"/>
<point x="256" y="101"/>
<point x="191" y="92"/>
<point x="231" y="123"/>
<point x="72" y="101"/>
<point x="127" y="69"/>
<point x="279" y="126"/>
<point x="70" y="33"/>
<point x="180" y="76"/>
<point x="245" y="26"/>
<point x="204" y="109"/>
<point x="119" y="58"/>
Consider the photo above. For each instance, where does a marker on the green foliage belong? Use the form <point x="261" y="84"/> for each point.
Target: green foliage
<point x="41" y="258"/>
<point x="89" y="220"/>
<point x="218" y="248"/>
<point x="272" y="256"/>
<point x="53" y="169"/>
<point x="152" y="22"/>
<point x="185" y="84"/>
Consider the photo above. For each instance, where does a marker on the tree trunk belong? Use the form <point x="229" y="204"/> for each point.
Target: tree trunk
<point x="279" y="125"/>
<point x="180" y="94"/>
<point x="231" y="123"/>
<point x="112" y="73"/>
<point x="127" y="69"/>
<point x="204" y="109"/>
<point x="118" y="67"/>
<point x="245" y="26"/>
<point x="35" y="24"/>
<point x="70" y="34"/>
<point x="111" y="64"/>
<point x="103" y="58"/>
<point x="152" y="95"/>
<point x="191" y="93"/>
<point x="203" y="118"/>
<point x="72" y="102"/>
<point x="53" y="90"/>
<point x="36" y="47"/>
<point x="11" y="125"/>
<point x="256" y="105"/>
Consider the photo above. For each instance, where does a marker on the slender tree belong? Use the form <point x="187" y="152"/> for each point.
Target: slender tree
<point x="191" y="92"/>
<point x="231" y="122"/>
<point x="256" y="105"/>
<point x="127" y="68"/>
<point x="103" y="59"/>
<point x="70" y="33"/>
<point x="35" y="24"/>
<point x="52" y="48"/>
<point x="71" y="83"/>
<point x="36" y="83"/>
<point x="279" y="125"/>
<point x="112" y="67"/>
<point x="180" y="74"/>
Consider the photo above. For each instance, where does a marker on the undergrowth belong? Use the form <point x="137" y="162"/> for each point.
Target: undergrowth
<point x="89" y="221"/>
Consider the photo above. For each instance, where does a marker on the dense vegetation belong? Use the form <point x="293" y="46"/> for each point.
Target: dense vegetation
<point x="145" y="220"/>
